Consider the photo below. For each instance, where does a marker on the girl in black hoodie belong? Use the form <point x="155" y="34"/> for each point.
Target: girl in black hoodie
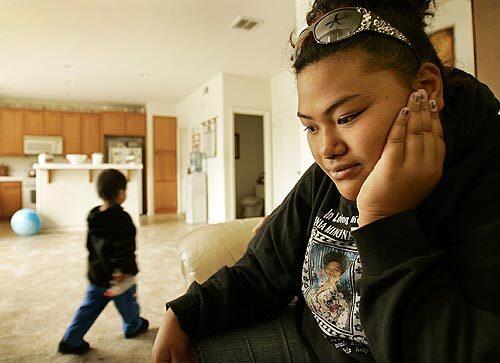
<point x="405" y="191"/>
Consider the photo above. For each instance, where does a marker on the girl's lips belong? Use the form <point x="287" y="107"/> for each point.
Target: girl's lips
<point x="345" y="173"/>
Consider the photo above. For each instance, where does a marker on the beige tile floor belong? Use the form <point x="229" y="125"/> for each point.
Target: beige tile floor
<point x="42" y="282"/>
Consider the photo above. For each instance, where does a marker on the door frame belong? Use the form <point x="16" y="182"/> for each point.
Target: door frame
<point x="231" y="167"/>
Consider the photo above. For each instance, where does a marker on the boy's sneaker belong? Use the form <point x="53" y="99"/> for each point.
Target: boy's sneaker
<point x="144" y="327"/>
<point x="66" y="349"/>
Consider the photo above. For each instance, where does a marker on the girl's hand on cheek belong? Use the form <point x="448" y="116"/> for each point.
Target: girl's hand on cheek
<point x="411" y="163"/>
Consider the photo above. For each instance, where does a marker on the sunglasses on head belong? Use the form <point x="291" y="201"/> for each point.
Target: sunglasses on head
<point x="345" y="22"/>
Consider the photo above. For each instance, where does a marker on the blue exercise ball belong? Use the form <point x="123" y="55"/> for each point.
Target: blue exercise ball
<point x="25" y="222"/>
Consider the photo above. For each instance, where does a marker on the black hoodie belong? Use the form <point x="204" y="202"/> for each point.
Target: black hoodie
<point x="111" y="244"/>
<point x="418" y="286"/>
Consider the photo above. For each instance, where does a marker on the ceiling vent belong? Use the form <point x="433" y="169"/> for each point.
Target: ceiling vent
<point x="246" y="23"/>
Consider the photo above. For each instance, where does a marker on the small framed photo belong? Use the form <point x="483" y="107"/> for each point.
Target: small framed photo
<point x="236" y="146"/>
<point x="444" y="42"/>
<point x="210" y="138"/>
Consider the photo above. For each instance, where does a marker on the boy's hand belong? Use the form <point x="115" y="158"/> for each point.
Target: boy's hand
<point x="119" y="277"/>
<point x="171" y="343"/>
<point x="411" y="163"/>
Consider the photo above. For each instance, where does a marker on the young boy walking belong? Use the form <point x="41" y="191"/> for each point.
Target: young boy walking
<point x="111" y="266"/>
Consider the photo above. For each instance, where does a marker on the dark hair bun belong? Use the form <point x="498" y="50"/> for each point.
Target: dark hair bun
<point x="420" y="8"/>
<point x="419" y="5"/>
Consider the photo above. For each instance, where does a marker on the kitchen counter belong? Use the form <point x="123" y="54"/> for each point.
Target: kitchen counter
<point x="65" y="193"/>
<point x="86" y="166"/>
<point x="11" y="179"/>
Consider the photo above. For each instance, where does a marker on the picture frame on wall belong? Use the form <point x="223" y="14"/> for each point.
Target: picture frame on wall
<point x="236" y="146"/>
<point x="210" y="137"/>
<point x="443" y="41"/>
<point x="195" y="142"/>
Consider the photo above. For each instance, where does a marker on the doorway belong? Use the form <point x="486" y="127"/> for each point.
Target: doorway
<point x="165" y="164"/>
<point x="249" y="165"/>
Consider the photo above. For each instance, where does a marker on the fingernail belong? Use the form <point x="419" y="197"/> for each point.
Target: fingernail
<point x="405" y="112"/>
<point x="433" y="106"/>
<point x="417" y="96"/>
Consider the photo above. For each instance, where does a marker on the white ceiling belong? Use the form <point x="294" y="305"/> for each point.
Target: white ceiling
<point x="109" y="43"/>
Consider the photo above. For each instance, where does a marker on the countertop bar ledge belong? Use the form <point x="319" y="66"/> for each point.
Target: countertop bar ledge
<point x="65" y="193"/>
<point x="86" y="166"/>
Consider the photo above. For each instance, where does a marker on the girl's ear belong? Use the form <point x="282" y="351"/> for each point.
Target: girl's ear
<point x="121" y="195"/>
<point x="429" y="78"/>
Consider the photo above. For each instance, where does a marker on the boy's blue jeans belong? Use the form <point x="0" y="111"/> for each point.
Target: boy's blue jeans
<point x="93" y="304"/>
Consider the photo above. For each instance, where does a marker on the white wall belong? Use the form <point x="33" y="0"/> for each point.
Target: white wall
<point x="285" y="85"/>
<point x="284" y="102"/>
<point x="251" y="162"/>
<point x="246" y="95"/>
<point x="457" y="14"/>
<point x="157" y="109"/>
<point x="291" y="154"/>
<point x="285" y="135"/>
<point x="18" y="166"/>
<point x="301" y="9"/>
<point x="204" y="103"/>
<point x="184" y="149"/>
<point x="221" y="97"/>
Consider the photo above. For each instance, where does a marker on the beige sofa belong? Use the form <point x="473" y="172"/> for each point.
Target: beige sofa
<point x="206" y="249"/>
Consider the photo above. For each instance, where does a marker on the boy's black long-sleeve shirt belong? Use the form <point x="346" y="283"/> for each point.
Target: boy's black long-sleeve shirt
<point x="111" y="244"/>
<point x="426" y="286"/>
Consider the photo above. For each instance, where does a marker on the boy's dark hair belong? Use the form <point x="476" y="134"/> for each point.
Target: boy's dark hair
<point x="335" y="257"/>
<point x="109" y="183"/>
<point x="408" y="16"/>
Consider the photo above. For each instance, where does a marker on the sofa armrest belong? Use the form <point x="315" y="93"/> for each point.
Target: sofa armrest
<point x="208" y="248"/>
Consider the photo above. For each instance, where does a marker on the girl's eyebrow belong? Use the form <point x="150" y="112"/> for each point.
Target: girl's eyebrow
<point x="332" y="107"/>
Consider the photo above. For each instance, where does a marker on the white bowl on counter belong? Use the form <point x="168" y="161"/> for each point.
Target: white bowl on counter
<point x="76" y="159"/>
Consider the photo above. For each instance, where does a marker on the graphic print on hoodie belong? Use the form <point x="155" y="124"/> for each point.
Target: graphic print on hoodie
<point x="330" y="271"/>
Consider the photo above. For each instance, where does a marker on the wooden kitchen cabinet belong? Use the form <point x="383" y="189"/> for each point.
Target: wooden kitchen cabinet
<point x="91" y="136"/>
<point x="82" y="132"/>
<point x="135" y="124"/>
<point x="113" y="123"/>
<point x="51" y="123"/>
<point x="42" y="123"/>
<point x="10" y="198"/>
<point x="11" y="132"/>
<point x="32" y="124"/>
<point x="123" y="124"/>
<point x="71" y="132"/>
